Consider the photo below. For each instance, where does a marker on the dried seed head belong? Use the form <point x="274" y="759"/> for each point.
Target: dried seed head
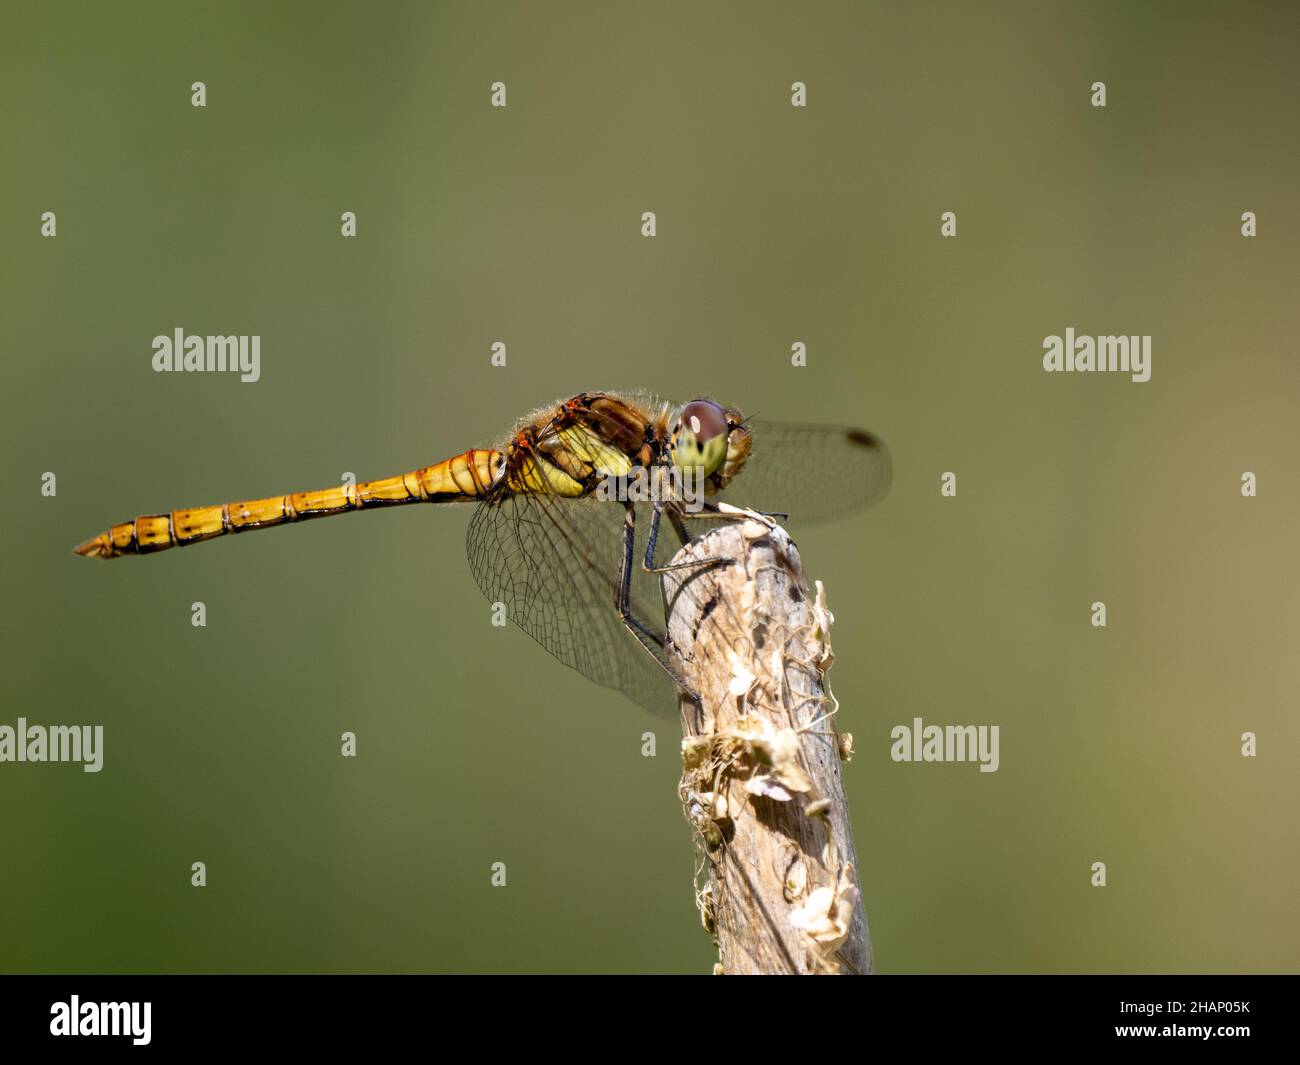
<point x="796" y="880"/>
<point x="846" y="746"/>
<point x="817" y="808"/>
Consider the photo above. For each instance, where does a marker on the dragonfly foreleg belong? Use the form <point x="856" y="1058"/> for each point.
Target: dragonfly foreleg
<point x="648" y="563"/>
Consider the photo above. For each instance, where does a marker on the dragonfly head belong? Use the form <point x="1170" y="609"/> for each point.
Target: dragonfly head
<point x="702" y="437"/>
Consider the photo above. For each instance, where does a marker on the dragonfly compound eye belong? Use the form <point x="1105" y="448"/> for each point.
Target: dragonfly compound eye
<point x="700" y="439"/>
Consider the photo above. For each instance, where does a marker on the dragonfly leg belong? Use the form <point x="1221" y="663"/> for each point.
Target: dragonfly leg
<point x="716" y="513"/>
<point x="648" y="563"/>
<point x="679" y="527"/>
<point x="712" y="510"/>
<point x="652" y="642"/>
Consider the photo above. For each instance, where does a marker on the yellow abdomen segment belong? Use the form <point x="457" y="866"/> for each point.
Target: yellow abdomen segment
<point x="466" y="477"/>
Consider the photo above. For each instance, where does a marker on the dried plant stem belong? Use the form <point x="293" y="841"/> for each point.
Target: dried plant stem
<point x="761" y="756"/>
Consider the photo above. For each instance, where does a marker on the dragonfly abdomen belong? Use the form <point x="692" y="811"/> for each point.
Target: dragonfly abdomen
<point x="467" y="476"/>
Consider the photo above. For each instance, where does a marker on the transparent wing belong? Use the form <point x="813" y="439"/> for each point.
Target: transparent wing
<point x="555" y="563"/>
<point x="811" y="472"/>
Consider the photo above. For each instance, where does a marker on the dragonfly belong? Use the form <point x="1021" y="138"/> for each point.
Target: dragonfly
<point x="567" y="504"/>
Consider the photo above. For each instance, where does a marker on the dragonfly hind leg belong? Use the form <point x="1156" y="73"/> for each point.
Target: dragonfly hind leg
<point x="651" y="642"/>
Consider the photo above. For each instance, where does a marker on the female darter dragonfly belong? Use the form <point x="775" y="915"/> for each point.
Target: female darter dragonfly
<point x="559" y="523"/>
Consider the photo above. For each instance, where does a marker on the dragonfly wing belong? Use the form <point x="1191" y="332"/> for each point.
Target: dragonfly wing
<point x="811" y="472"/>
<point x="554" y="563"/>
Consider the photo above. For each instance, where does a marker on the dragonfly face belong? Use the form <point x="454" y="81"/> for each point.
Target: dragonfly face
<point x="575" y="567"/>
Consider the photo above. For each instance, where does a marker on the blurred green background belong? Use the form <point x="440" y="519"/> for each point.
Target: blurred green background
<point x="774" y="225"/>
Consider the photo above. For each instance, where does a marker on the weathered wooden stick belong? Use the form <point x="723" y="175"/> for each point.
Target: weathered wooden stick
<point x="761" y="756"/>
